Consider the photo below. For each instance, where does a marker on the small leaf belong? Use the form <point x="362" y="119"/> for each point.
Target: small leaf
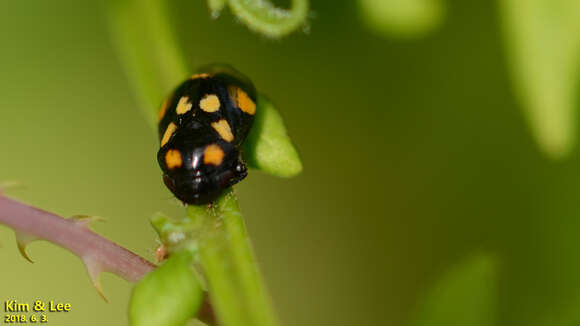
<point x="466" y="295"/>
<point x="168" y="296"/>
<point x="402" y="17"/>
<point x="268" y="147"/>
<point x="543" y="42"/>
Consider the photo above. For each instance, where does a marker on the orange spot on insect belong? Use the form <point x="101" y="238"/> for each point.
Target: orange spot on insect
<point x="213" y="154"/>
<point x="173" y="159"/>
<point x="183" y="106"/>
<point x="202" y="75"/>
<point x="223" y="129"/>
<point x="163" y="109"/>
<point x="210" y="103"/>
<point x="245" y="103"/>
<point x="168" y="133"/>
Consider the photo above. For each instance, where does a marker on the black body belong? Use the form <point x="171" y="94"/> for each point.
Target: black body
<point x="202" y="176"/>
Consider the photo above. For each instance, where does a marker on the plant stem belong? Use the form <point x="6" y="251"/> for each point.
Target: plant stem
<point x="155" y="66"/>
<point x="75" y="236"/>
<point x="235" y="283"/>
<point x="148" y="50"/>
<point x="98" y="253"/>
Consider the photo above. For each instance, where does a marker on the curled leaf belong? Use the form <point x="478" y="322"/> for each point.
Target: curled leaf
<point x="168" y="296"/>
<point x="268" y="147"/>
<point x="263" y="17"/>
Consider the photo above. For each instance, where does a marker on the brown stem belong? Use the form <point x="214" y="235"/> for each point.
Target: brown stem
<point x="98" y="253"/>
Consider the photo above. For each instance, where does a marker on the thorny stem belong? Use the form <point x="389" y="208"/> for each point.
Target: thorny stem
<point x="98" y="253"/>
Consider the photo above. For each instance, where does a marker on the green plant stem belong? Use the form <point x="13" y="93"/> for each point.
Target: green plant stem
<point x="148" y="50"/>
<point x="235" y="284"/>
<point x="155" y="65"/>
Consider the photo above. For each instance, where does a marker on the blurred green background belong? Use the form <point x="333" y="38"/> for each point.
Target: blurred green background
<point x="424" y="193"/>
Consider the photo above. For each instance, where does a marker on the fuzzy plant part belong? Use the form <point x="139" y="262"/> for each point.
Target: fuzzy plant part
<point x="263" y="17"/>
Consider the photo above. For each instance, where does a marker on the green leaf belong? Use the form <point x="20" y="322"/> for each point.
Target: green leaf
<point x="543" y="42"/>
<point x="268" y="147"/>
<point x="402" y="17"/>
<point x="466" y="295"/>
<point x="168" y="296"/>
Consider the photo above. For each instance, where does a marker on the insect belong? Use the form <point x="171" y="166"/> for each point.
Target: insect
<point x="202" y="126"/>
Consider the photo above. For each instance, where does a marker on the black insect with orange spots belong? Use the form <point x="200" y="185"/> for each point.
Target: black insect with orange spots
<point x="202" y="126"/>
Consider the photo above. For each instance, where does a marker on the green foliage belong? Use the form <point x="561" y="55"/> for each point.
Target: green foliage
<point x="268" y="147"/>
<point x="543" y="41"/>
<point x="262" y="17"/>
<point x="168" y="296"/>
<point x="215" y="236"/>
<point x="466" y="295"/>
<point x="402" y="17"/>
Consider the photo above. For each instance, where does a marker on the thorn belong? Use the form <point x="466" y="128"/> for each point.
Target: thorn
<point x="95" y="270"/>
<point x="85" y="220"/>
<point x="22" y="250"/>
<point x="6" y="185"/>
<point x="22" y="240"/>
<point x="161" y="253"/>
